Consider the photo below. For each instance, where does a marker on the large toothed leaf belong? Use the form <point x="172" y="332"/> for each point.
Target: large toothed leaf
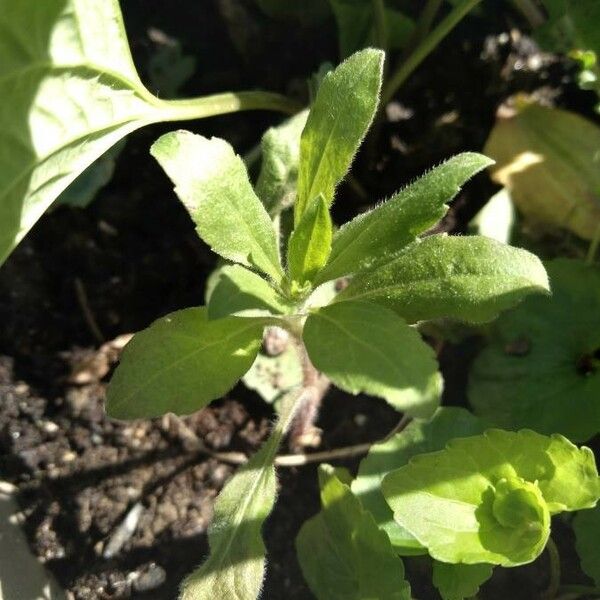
<point x="467" y="278"/>
<point x="212" y="182"/>
<point x="489" y="498"/>
<point x="587" y="533"/>
<point x="182" y="362"/>
<point x="343" y="555"/>
<point x="237" y="291"/>
<point x="280" y="149"/>
<point x="236" y="564"/>
<point x="338" y="121"/>
<point x="69" y="92"/>
<point x="363" y="347"/>
<point x="418" y="438"/>
<point x="310" y="243"/>
<point x="374" y="235"/>
<point x="457" y="582"/>
<point x="541" y="367"/>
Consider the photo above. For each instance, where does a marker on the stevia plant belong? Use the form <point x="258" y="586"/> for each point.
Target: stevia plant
<point x="362" y="339"/>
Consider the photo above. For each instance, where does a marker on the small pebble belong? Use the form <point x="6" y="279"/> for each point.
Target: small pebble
<point x="153" y="577"/>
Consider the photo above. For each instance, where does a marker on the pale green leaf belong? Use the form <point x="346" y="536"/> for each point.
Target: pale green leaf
<point x="488" y="498"/>
<point x="457" y="582"/>
<point x="70" y="92"/>
<point x="363" y="347"/>
<point x="337" y="123"/>
<point x="182" y="362"/>
<point x="310" y="243"/>
<point x="375" y="235"/>
<point x="497" y="219"/>
<point x="343" y="555"/>
<point x="237" y="291"/>
<point x="236" y="564"/>
<point x="466" y="278"/>
<point x="418" y="437"/>
<point x="280" y="149"/>
<point x="587" y="533"/>
<point x="541" y="367"/>
<point x="212" y="182"/>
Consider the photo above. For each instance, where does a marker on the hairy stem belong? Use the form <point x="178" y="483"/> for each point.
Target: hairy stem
<point x="424" y="49"/>
<point x="593" y="248"/>
<point x="315" y="385"/>
<point x="229" y="102"/>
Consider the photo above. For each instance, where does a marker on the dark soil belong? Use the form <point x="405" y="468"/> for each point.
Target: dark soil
<point x="133" y="256"/>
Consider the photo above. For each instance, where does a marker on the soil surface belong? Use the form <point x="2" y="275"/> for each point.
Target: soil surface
<point x="85" y="276"/>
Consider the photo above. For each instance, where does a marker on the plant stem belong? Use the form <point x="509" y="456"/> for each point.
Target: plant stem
<point x="554" y="559"/>
<point x="381" y="33"/>
<point x="531" y="12"/>
<point x="425" y="48"/>
<point x="579" y="590"/>
<point x="424" y="24"/>
<point x="229" y="102"/>
<point x="593" y="249"/>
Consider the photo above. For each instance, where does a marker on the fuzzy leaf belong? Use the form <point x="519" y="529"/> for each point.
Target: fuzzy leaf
<point x="236" y="564"/>
<point x="343" y="540"/>
<point x="467" y="278"/>
<point x="418" y="438"/>
<point x="457" y="582"/>
<point x="338" y="121"/>
<point x="587" y="533"/>
<point x="212" y="182"/>
<point x="182" y="362"/>
<point x="375" y="235"/>
<point x="488" y="498"/>
<point x="541" y="368"/>
<point x="310" y="243"/>
<point x="236" y="291"/>
<point x="364" y="347"/>
<point x="280" y="148"/>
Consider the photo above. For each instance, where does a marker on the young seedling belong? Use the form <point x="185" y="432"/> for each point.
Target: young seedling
<point x="361" y="339"/>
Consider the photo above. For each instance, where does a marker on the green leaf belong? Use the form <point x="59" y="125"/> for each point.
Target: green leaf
<point x="375" y="235"/>
<point x="497" y="219"/>
<point x="488" y="498"/>
<point x="418" y="438"/>
<point x="236" y="564"/>
<point x="586" y="525"/>
<point x="70" y="92"/>
<point x="337" y="123"/>
<point x="356" y="27"/>
<point x="84" y="189"/>
<point x="456" y="582"/>
<point x="342" y="553"/>
<point x="182" y="362"/>
<point x="212" y="182"/>
<point x="310" y="243"/>
<point x="236" y="291"/>
<point x="541" y="368"/>
<point x="467" y="278"/>
<point x="273" y="376"/>
<point x="280" y="149"/>
<point x="364" y="347"/>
